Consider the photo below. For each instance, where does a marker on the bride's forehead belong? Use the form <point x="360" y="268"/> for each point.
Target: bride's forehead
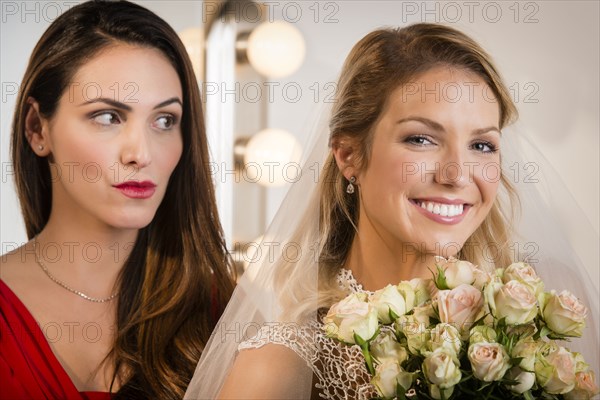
<point x="443" y="84"/>
<point x="444" y="96"/>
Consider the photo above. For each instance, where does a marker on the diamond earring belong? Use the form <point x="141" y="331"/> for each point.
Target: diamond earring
<point x="350" y="187"/>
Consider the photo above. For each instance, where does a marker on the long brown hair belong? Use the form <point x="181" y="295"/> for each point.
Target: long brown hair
<point x="378" y="64"/>
<point x="178" y="278"/>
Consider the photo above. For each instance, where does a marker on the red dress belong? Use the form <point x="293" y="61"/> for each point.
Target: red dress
<point x="28" y="367"/>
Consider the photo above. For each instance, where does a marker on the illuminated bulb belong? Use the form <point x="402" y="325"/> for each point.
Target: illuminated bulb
<point x="276" y="49"/>
<point x="271" y="158"/>
<point x="193" y="40"/>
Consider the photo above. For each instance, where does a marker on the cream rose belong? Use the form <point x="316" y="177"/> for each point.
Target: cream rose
<point x="458" y="272"/>
<point x="390" y="300"/>
<point x="423" y="314"/>
<point x="445" y="336"/>
<point x="482" y="333"/>
<point x="407" y="291"/>
<point x="482" y="278"/>
<point x="527" y="350"/>
<point x="441" y="368"/>
<point x="386" y="347"/>
<point x="563" y="313"/>
<point x="525" y="380"/>
<point x="580" y="364"/>
<point x="460" y="307"/>
<point x="388" y="375"/>
<point x="513" y="301"/>
<point x="524" y="273"/>
<point x="555" y="371"/>
<point x="421" y="289"/>
<point x="352" y="315"/>
<point x="585" y="387"/>
<point x="489" y="361"/>
<point x="416" y="333"/>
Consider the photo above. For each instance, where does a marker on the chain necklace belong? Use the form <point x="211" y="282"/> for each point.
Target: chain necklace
<point x="64" y="285"/>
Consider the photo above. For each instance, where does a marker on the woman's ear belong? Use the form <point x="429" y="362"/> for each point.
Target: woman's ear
<point x="36" y="129"/>
<point x="345" y="152"/>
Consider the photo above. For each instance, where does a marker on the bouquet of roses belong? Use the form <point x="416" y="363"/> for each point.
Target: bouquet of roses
<point x="467" y="334"/>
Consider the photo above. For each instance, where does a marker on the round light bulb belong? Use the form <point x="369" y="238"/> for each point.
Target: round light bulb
<point x="193" y="40"/>
<point x="276" y="49"/>
<point x="272" y="158"/>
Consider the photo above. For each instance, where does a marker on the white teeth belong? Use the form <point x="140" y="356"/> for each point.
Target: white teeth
<point x="445" y="210"/>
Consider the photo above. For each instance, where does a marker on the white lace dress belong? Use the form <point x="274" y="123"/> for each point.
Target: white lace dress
<point x="339" y="369"/>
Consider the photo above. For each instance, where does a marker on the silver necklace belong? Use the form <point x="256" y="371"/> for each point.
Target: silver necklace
<point x="64" y="285"/>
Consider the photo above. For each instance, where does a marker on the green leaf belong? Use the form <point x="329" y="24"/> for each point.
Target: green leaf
<point x="400" y="392"/>
<point x="515" y="361"/>
<point x="440" y="279"/>
<point x="359" y="341"/>
<point x="544" y="332"/>
<point x="501" y="323"/>
<point x="442" y="394"/>
<point x="528" y="396"/>
<point x="480" y="320"/>
<point x="393" y="315"/>
<point x="364" y="346"/>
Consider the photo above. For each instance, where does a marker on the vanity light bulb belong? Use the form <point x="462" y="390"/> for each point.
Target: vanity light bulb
<point x="272" y="157"/>
<point x="276" y="49"/>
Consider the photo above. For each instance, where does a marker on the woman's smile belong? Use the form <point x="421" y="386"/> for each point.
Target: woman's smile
<point x="444" y="211"/>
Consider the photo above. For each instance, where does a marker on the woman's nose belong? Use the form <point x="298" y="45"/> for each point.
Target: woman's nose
<point x="453" y="169"/>
<point x="135" y="148"/>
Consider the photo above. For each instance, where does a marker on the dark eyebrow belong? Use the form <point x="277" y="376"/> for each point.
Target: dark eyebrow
<point x="123" y="106"/>
<point x="108" y="101"/>
<point x="170" y="101"/>
<point x="438" y="127"/>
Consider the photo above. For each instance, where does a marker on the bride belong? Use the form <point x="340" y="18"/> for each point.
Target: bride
<point x="417" y="137"/>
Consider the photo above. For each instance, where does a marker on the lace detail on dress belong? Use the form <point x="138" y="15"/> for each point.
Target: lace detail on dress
<point x="347" y="281"/>
<point x="339" y="369"/>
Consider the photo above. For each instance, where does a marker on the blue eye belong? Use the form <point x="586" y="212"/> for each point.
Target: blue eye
<point x="106" y="118"/>
<point x="485" y="147"/>
<point x="164" y="122"/>
<point x="419" y="140"/>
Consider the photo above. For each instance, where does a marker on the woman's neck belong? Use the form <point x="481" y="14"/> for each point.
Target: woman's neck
<point x="91" y="257"/>
<point x="375" y="262"/>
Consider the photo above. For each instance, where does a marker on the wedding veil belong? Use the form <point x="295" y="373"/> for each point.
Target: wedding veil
<point x="283" y="268"/>
<point x="542" y="240"/>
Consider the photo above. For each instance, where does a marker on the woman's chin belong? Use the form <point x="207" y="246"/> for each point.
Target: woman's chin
<point x="444" y="247"/>
<point x="129" y="222"/>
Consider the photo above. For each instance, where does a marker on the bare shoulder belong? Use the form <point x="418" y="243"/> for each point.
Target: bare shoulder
<point x="272" y="371"/>
<point x="19" y="271"/>
<point x="16" y="266"/>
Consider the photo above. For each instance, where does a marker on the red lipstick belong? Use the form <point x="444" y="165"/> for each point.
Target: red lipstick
<point x="136" y="189"/>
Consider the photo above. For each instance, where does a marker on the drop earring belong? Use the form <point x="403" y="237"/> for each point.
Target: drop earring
<point x="350" y="187"/>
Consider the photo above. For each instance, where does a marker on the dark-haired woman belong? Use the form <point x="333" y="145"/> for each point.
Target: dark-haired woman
<point x="126" y="271"/>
